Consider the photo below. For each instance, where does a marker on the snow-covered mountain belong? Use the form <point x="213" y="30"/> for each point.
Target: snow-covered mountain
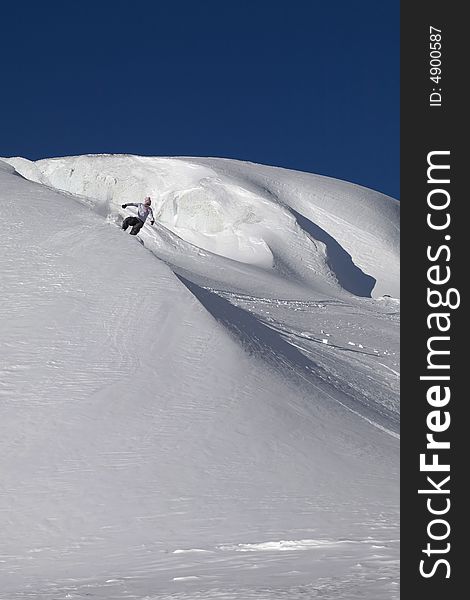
<point x="211" y="413"/>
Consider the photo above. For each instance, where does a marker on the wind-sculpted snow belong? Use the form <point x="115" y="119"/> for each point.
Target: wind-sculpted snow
<point x="212" y="414"/>
<point x="321" y="232"/>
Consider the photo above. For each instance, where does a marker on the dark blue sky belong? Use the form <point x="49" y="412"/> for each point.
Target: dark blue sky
<point x="304" y="84"/>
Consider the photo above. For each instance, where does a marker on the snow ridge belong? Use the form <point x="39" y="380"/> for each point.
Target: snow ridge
<point x="212" y="413"/>
<point x="314" y="230"/>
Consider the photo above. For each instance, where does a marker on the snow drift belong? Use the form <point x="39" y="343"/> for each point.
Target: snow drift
<point x="212" y="414"/>
<point x="321" y="230"/>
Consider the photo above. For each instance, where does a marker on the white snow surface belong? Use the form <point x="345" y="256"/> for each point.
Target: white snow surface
<point x="319" y="231"/>
<point x="212" y="413"/>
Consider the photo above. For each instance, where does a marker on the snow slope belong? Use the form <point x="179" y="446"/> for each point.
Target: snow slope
<point x="211" y="414"/>
<point x="320" y="231"/>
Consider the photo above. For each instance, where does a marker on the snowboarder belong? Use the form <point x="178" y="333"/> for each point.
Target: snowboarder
<point x="143" y="211"/>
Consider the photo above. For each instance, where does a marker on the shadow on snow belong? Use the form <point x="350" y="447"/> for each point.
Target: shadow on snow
<point x="349" y="276"/>
<point x="263" y="342"/>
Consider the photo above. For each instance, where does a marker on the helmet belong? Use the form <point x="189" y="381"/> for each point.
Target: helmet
<point x="147" y="201"/>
